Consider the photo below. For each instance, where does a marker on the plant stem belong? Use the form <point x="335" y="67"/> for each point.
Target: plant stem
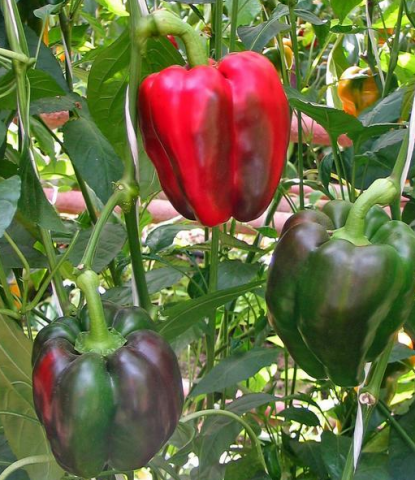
<point x="137" y="263"/>
<point x="213" y="281"/>
<point x="368" y="397"/>
<point x="339" y="170"/>
<point x="10" y="313"/>
<point x="226" y="413"/>
<point x="298" y="86"/>
<point x="17" y="56"/>
<point x="383" y="191"/>
<point x="24" y="462"/>
<point x="7" y="294"/>
<point x="268" y="218"/>
<point x="395" y="425"/>
<point x="395" y="51"/>
<point x="87" y="258"/>
<point x="52" y="274"/>
<point x="57" y="281"/>
<point x="234" y="18"/>
<point x="218" y="29"/>
<point x="162" y="23"/>
<point x="99" y="338"/>
<point x="66" y="35"/>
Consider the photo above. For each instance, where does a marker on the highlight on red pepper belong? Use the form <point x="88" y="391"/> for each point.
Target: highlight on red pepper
<point x="217" y="135"/>
<point x="357" y="90"/>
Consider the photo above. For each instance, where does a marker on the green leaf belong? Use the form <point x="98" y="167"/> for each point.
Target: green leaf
<point x="47" y="10"/>
<point x="46" y="61"/>
<point x="386" y="110"/>
<point x="268" y="232"/>
<point x="335" y="121"/>
<point x="107" y="83"/>
<point x="114" y="6"/>
<point x="309" y="455"/>
<point x="248" y="10"/>
<point x="9" y="196"/>
<point x="160" y="278"/>
<point x="401" y="456"/>
<point x="309" y="17"/>
<point x="375" y="466"/>
<point x="93" y="156"/>
<point x="3" y="133"/>
<point x="334" y="451"/>
<point x="250" y="401"/>
<point x="300" y="415"/>
<point x="26" y="242"/>
<point x="33" y="203"/>
<point x="249" y="467"/>
<point x="343" y="7"/>
<point x="256" y="38"/>
<point x="42" y="85"/>
<point x="234" y="369"/>
<point x="186" y="314"/>
<point x="25" y="437"/>
<point x="163" y="237"/>
<point x="219" y="432"/>
<point x="233" y="242"/>
<point x="110" y="243"/>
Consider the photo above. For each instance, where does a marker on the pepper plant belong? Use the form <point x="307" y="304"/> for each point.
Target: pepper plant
<point x="292" y="343"/>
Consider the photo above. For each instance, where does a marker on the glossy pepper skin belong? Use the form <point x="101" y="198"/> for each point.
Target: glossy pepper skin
<point x="336" y="305"/>
<point x="98" y="411"/>
<point x="357" y="90"/>
<point x="217" y="136"/>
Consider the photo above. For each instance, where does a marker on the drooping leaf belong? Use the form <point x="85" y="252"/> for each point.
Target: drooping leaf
<point x="26" y="243"/>
<point x="9" y="196"/>
<point x="42" y="85"/>
<point x="335" y="121"/>
<point x="183" y="316"/>
<point x="247" y="10"/>
<point x="255" y="38"/>
<point x="309" y="16"/>
<point x="47" y="10"/>
<point x="401" y="463"/>
<point x="33" y="203"/>
<point x="234" y="369"/>
<point x="93" y="156"/>
<point x="343" y="7"/>
<point x="114" y="6"/>
<point x="300" y="415"/>
<point x="110" y="243"/>
<point x="334" y="451"/>
<point x="163" y="236"/>
<point x="26" y="437"/>
<point x="107" y="83"/>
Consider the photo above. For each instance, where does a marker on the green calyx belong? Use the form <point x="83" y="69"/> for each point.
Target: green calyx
<point x="100" y="339"/>
<point x="85" y="342"/>
<point x="162" y="23"/>
<point x="382" y="192"/>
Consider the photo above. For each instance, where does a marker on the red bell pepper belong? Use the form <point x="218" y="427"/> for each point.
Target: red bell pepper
<point x="217" y="135"/>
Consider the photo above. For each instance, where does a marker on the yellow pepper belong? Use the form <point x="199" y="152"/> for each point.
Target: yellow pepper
<point x="357" y="90"/>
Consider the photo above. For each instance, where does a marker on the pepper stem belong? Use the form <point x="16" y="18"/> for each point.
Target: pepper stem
<point x="161" y="23"/>
<point x="382" y="192"/>
<point x="100" y="338"/>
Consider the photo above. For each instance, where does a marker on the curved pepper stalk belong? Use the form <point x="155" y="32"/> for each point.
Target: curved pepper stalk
<point x="116" y="410"/>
